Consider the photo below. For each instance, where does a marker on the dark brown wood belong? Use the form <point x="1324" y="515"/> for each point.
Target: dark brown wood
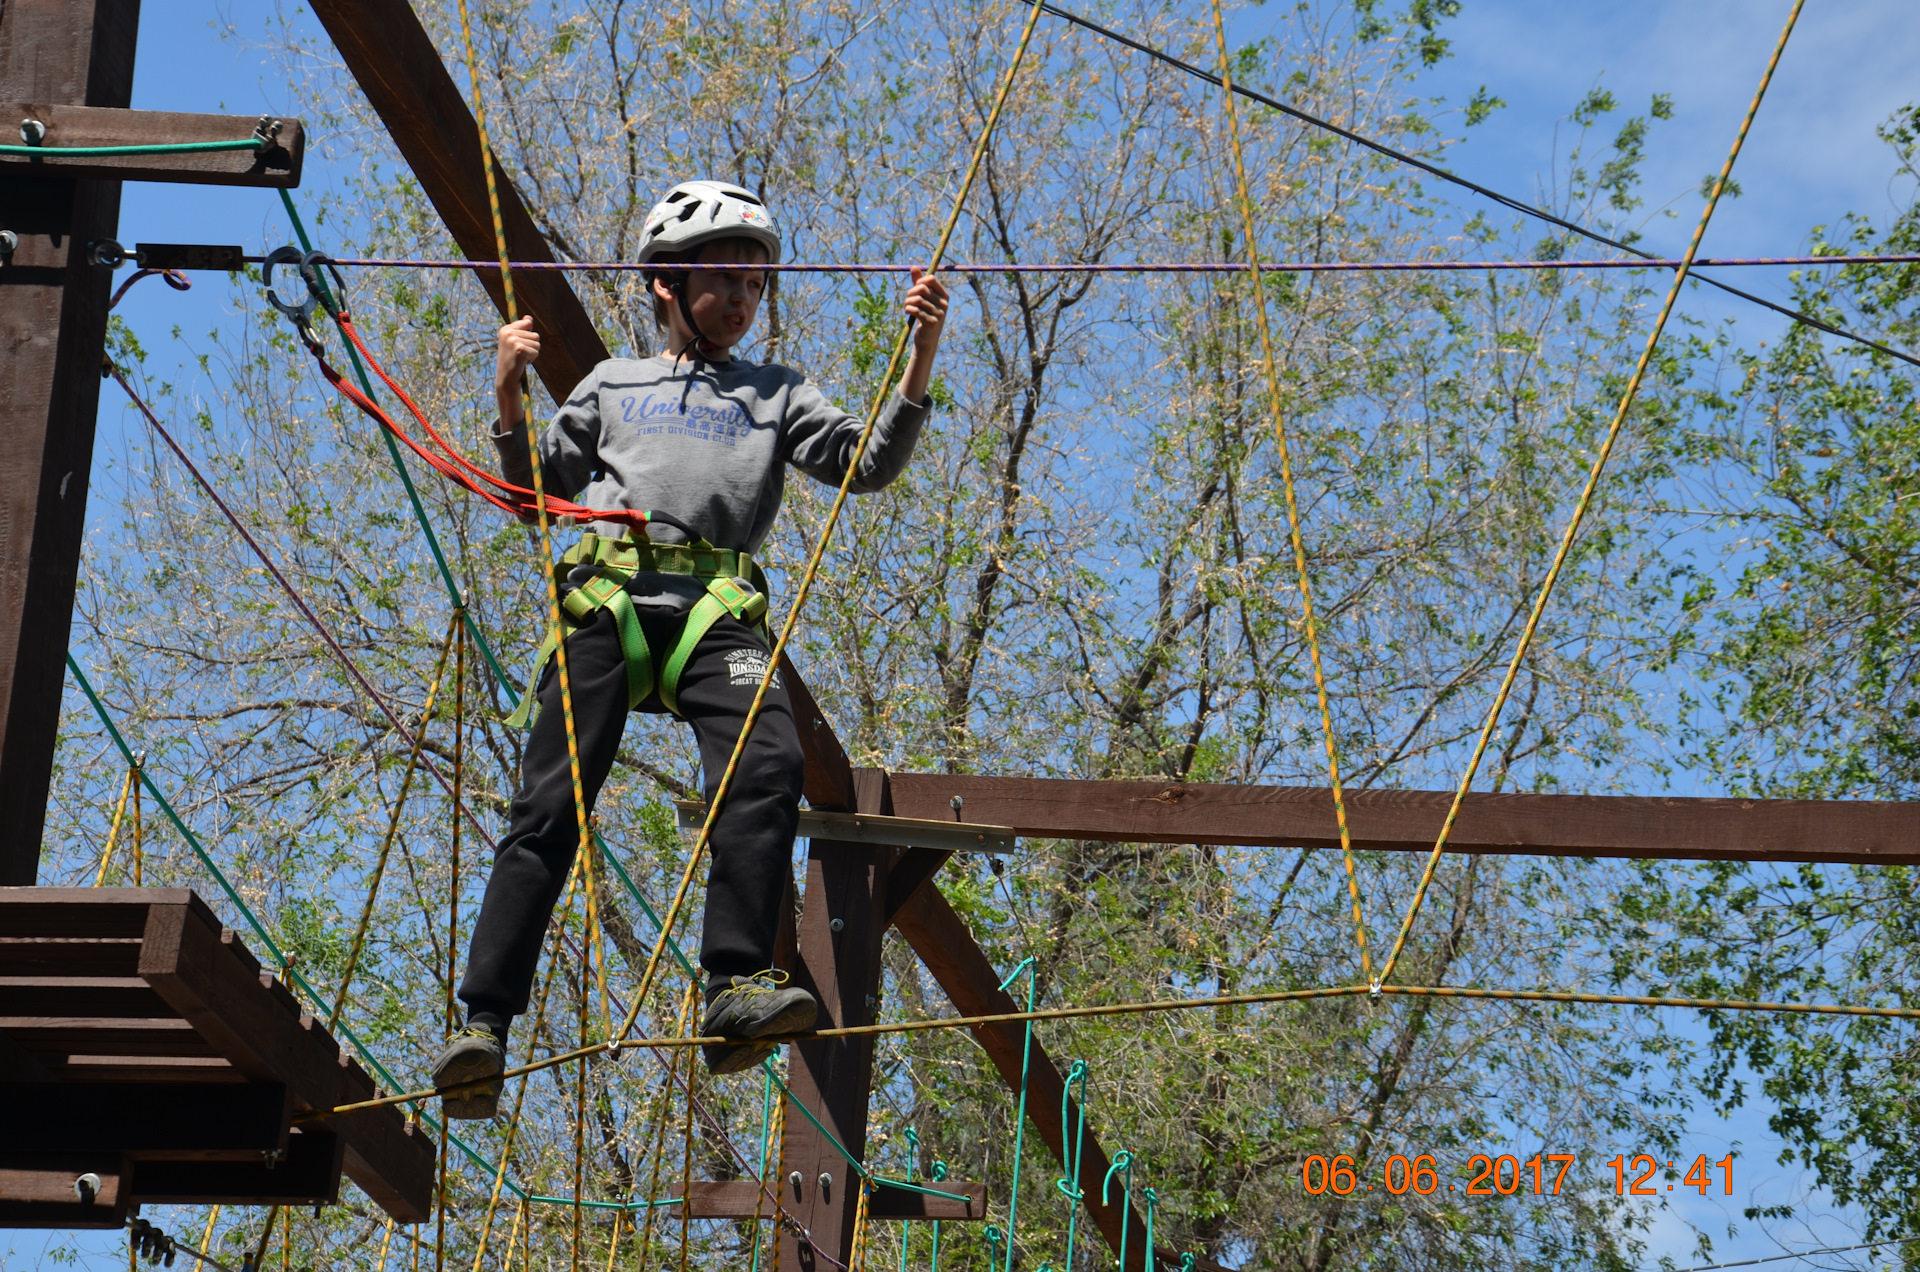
<point x="85" y="955"/>
<point x="201" y="974"/>
<point x="53" y="324"/>
<point x="736" y="1199"/>
<point x="205" y="1123"/>
<point x="948" y="949"/>
<point x="913" y="869"/>
<point x="308" y="1175"/>
<point x="1406" y="821"/>
<point x="400" y="71"/>
<point x="829" y="774"/>
<point x="846" y="883"/>
<point x="209" y="1014"/>
<point x="275" y="167"/>
<point x="37" y="1191"/>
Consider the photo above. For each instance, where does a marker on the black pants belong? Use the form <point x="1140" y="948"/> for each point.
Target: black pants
<point x="752" y="844"/>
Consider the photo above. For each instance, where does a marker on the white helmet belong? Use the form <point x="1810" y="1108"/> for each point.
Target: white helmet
<point x="696" y="212"/>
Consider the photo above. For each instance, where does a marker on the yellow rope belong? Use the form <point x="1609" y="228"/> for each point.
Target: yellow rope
<point x="857" y="1260"/>
<point x="776" y="1135"/>
<point x="682" y="1022"/>
<point x="821" y="541"/>
<point x="386" y="1242"/>
<point x="533" y="445"/>
<point x="580" y="1093"/>
<point x="520" y="1095"/>
<point x="213" y="1216"/>
<point x="393" y="827"/>
<point x="1586" y="496"/>
<point x="1310" y="627"/>
<point x="113" y="832"/>
<point x="686" y="1178"/>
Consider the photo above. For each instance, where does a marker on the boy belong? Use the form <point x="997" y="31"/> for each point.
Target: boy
<point x="702" y="440"/>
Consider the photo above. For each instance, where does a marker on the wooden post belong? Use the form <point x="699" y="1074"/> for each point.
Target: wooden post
<point x="842" y="921"/>
<point x="53" y="325"/>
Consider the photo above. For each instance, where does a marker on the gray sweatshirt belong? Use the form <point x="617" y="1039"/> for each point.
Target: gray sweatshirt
<point x="706" y="443"/>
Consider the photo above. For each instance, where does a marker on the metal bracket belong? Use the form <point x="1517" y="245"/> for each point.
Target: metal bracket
<point x="871" y="828"/>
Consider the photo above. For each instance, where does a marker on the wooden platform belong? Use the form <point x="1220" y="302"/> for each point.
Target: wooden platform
<point x="141" y="1043"/>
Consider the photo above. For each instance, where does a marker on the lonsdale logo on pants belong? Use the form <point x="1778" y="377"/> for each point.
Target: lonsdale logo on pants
<point x="748" y="666"/>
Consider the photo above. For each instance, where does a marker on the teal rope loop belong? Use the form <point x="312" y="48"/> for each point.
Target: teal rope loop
<point x="1186" y="1262"/>
<point x="1027" y="966"/>
<point x="939" y="1173"/>
<point x="1153" y="1200"/>
<point x="1122" y="1161"/>
<point x="1070" y="1185"/>
<point x="105" y="152"/>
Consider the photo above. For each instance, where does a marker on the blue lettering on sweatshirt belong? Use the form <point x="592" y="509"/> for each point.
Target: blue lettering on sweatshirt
<point x="723" y="423"/>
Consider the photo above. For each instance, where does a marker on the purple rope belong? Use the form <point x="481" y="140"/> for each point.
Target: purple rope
<point x="1155" y="267"/>
<point x="298" y="601"/>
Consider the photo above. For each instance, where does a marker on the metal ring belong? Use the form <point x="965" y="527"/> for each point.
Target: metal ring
<point x="300" y="314"/>
<point x="310" y="274"/>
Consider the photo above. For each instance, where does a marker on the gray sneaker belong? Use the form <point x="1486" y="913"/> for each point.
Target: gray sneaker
<point x="472" y="1059"/>
<point x="754" y="1007"/>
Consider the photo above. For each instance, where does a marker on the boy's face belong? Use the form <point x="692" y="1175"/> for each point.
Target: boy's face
<point x="724" y="301"/>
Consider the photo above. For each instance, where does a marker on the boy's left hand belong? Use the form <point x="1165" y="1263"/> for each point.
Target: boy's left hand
<point x="927" y="305"/>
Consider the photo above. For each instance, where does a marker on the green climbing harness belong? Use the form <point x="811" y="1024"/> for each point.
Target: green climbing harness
<point x="736" y="586"/>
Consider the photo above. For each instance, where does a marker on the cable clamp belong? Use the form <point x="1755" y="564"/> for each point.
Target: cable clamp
<point x="267" y="131"/>
<point x="1373" y="991"/>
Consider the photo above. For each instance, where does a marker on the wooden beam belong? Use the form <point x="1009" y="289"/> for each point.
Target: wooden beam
<point x="38" y="1191"/>
<point x="1862" y="831"/>
<point x="224" y="1122"/>
<point x="840" y="942"/>
<point x="53" y="326"/>
<point x="944" y="944"/>
<point x="829" y="774"/>
<point x="399" y="69"/>
<point x="308" y="1175"/>
<point x="276" y="167"/>
<point x="738" y="1199"/>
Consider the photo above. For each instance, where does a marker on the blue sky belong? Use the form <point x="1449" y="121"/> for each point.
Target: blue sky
<point x="1812" y="157"/>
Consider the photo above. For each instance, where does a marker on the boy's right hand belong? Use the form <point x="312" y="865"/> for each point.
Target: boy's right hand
<point x="519" y="346"/>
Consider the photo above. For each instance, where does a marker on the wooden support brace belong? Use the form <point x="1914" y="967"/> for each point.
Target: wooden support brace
<point x="397" y="66"/>
<point x="1863" y="831"/>
<point x="275" y="167"/>
<point x="38" y="1191"/>
<point x="221" y="1122"/>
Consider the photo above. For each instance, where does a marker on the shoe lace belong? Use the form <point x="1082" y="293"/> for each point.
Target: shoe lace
<point x="765" y="981"/>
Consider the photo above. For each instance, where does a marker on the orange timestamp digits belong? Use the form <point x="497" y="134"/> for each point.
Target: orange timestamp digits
<point x="1503" y="1175"/>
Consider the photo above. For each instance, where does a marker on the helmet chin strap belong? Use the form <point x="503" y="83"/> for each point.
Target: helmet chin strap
<point x="701" y="347"/>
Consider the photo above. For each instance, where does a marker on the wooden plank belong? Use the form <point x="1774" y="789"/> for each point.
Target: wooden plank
<point x="912" y="870"/>
<point x="400" y="71"/>
<point x="213" y="1122"/>
<point x="949" y="951"/>
<point x="64" y="956"/>
<point x="829" y="774"/>
<point x="145" y="1069"/>
<point x="53" y="327"/>
<point x="105" y="1035"/>
<point x="74" y="913"/>
<point x="80" y="995"/>
<point x="38" y="1191"/>
<point x="276" y="167"/>
<point x="1863" y="831"/>
<point x="833" y="1077"/>
<point x="207" y="977"/>
<point x="308" y="1175"/>
<point x="736" y="1199"/>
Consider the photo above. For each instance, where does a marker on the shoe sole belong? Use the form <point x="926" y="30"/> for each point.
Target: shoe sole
<point x="722" y="1060"/>
<point x="474" y="1105"/>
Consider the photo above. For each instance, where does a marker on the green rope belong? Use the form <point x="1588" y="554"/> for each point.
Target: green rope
<point x="1071" y="1184"/>
<point x="500" y="677"/>
<point x="104" y="152"/>
<point x="1153" y="1200"/>
<point x="1122" y="1161"/>
<point x="906" y="1230"/>
<point x="1027" y="965"/>
<point x="291" y="975"/>
<point x="939" y="1173"/>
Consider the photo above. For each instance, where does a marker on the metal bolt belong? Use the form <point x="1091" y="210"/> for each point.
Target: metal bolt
<point x="873" y="1002"/>
<point x="794" y="1179"/>
<point x="826" y="1183"/>
<point x="838" y="925"/>
<point x="86" y="1188"/>
<point x="9" y="242"/>
<point x="32" y="131"/>
<point x="956" y="804"/>
<point x="107" y="252"/>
